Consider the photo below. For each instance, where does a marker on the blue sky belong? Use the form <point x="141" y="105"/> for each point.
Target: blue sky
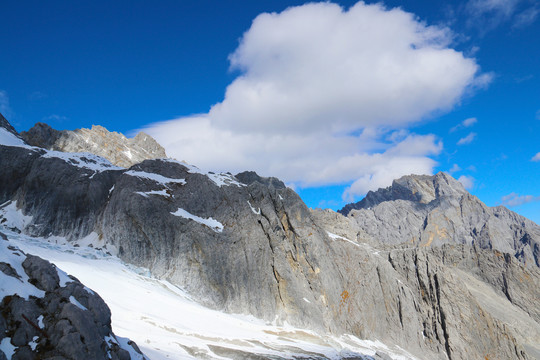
<point x="334" y="98"/>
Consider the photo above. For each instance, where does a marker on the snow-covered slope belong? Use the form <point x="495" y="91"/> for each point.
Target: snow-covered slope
<point x="167" y="324"/>
<point x="47" y="314"/>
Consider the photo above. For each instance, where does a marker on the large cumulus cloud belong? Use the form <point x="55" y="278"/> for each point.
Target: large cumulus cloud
<point x="327" y="95"/>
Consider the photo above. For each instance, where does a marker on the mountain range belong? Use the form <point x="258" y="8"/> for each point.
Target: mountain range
<point x="422" y="269"/>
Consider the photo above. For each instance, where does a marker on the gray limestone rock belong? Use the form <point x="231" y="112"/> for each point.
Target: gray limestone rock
<point x="434" y="210"/>
<point x="422" y="265"/>
<point x="113" y="146"/>
<point x="65" y="320"/>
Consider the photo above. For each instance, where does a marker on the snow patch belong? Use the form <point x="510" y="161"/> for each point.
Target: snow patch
<point x="33" y="343"/>
<point x="89" y="291"/>
<point x="40" y="322"/>
<point x="9" y="139"/>
<point x="221" y="179"/>
<point x="83" y="160"/>
<point x="12" y="217"/>
<point x="155" y="177"/>
<point x="93" y="239"/>
<point x="64" y="278"/>
<point x="337" y="237"/>
<point x="76" y="303"/>
<point x="211" y="223"/>
<point x="125" y="344"/>
<point x="224" y="179"/>
<point x="11" y="285"/>
<point x="256" y="212"/>
<point x="7" y="348"/>
<point x="154" y="192"/>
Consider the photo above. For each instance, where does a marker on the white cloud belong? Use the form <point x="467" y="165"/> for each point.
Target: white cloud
<point x="465" y="124"/>
<point x="469" y="122"/>
<point x="319" y="66"/>
<point x="308" y="159"/>
<point x="455" y="168"/>
<point x="527" y="17"/>
<point x="378" y="172"/>
<point x="488" y="14"/>
<point x="503" y="8"/>
<point x="467" y="181"/>
<point x="536" y="157"/>
<point x="325" y="96"/>
<point x="467" y="139"/>
<point x="514" y="199"/>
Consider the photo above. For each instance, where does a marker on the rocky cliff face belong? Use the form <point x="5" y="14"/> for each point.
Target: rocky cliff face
<point x="47" y="314"/>
<point x="434" y="210"/>
<point x="113" y="146"/>
<point x="248" y="244"/>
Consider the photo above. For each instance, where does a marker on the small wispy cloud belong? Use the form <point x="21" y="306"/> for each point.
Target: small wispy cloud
<point x="5" y="109"/>
<point x="522" y="79"/>
<point x="465" y="124"/>
<point x="55" y="117"/>
<point x="466" y="181"/>
<point x="526" y="17"/>
<point x="37" y="95"/>
<point x="455" y="168"/>
<point x="486" y="15"/>
<point x="536" y="157"/>
<point x="467" y="139"/>
<point x="514" y="199"/>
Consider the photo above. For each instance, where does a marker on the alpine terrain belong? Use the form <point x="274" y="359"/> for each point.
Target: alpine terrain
<point x="222" y="266"/>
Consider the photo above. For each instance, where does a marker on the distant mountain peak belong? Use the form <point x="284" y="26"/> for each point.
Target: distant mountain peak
<point x="113" y="146"/>
<point x="421" y="189"/>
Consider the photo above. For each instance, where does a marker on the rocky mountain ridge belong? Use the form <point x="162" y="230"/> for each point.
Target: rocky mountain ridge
<point x="113" y="146"/>
<point x="435" y="210"/>
<point x="248" y="244"/>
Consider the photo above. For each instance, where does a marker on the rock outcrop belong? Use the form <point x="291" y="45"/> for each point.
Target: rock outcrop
<point x="47" y="314"/>
<point x="113" y="146"/>
<point x="248" y="244"/>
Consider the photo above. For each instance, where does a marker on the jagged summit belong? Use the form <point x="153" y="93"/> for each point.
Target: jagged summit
<point x="113" y="146"/>
<point x="421" y="189"/>
<point x="421" y="210"/>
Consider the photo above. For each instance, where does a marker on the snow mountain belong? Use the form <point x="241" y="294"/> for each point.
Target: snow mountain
<point x="350" y="286"/>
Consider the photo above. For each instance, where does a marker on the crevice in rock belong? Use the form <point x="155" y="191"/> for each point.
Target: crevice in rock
<point x="443" y="318"/>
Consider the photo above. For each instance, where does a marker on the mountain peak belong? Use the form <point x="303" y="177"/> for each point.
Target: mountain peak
<point x="113" y="146"/>
<point x="421" y="189"/>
